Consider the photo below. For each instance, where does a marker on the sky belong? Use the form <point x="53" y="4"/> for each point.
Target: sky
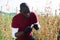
<point x="35" y="4"/>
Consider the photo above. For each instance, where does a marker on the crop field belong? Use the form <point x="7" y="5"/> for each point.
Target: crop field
<point x="50" y="26"/>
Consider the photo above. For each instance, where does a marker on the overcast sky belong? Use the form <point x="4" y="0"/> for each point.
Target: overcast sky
<point x="36" y="4"/>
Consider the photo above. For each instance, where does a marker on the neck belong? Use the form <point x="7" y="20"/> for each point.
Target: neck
<point x="25" y="16"/>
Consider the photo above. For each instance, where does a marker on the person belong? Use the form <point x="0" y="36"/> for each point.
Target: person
<point x="23" y="22"/>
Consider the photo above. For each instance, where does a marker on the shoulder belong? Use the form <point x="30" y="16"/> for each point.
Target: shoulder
<point x="17" y="16"/>
<point x="33" y="14"/>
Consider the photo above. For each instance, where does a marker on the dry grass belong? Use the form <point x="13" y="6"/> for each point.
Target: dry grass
<point x="49" y="28"/>
<point x="48" y="31"/>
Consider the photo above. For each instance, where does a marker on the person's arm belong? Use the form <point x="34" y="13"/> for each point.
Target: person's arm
<point x="15" y="33"/>
<point x="19" y="34"/>
<point x="35" y="22"/>
<point x="14" y="30"/>
<point x="36" y="26"/>
<point x="28" y="29"/>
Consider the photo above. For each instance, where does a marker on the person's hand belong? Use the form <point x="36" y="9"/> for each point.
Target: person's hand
<point x="28" y="29"/>
<point x="36" y="26"/>
<point x="18" y="34"/>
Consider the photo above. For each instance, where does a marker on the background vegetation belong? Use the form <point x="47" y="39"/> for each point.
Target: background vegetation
<point x="50" y="26"/>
